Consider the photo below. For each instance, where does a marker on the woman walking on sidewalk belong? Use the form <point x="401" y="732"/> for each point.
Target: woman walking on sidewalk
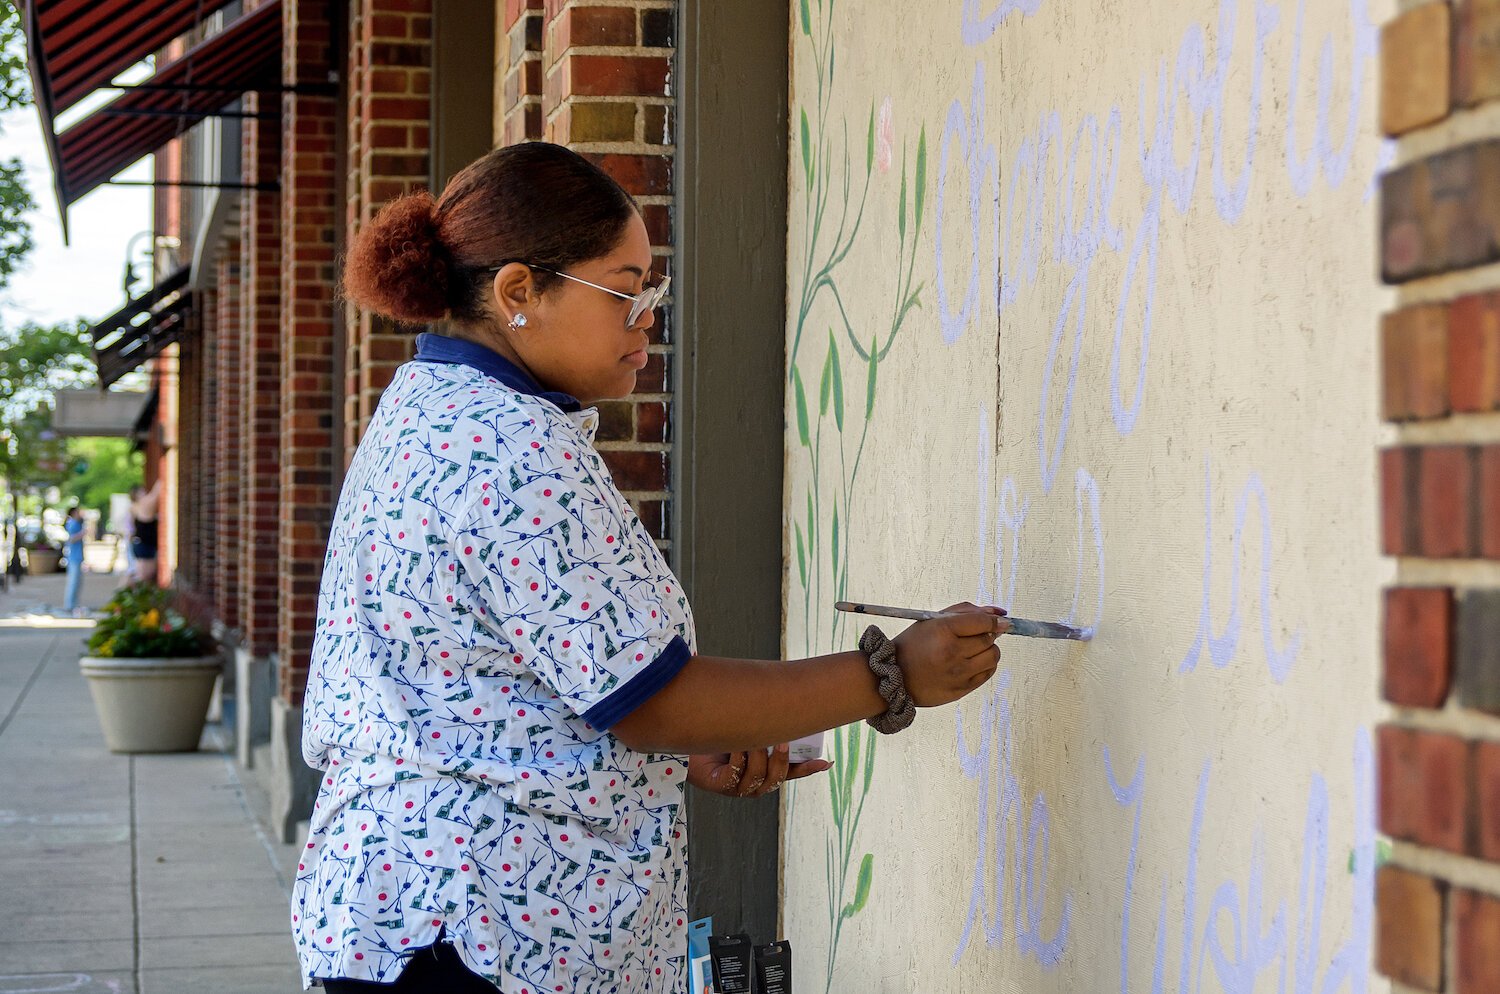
<point x="73" y="556"/>
<point x="504" y="695"/>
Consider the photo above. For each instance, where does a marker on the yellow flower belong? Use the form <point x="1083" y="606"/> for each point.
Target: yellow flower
<point x="108" y="648"/>
<point x="150" y="618"/>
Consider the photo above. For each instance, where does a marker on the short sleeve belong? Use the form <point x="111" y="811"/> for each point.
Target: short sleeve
<point x="559" y="568"/>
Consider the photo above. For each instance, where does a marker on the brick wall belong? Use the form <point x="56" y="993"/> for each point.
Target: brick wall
<point x="594" y="76"/>
<point x="390" y="113"/>
<point x="309" y="217"/>
<point x="260" y="408"/>
<point x="1438" y="900"/>
<point x="226" y="451"/>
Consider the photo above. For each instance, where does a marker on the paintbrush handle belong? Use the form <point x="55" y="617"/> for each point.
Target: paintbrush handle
<point x="1018" y="626"/>
<point x="910" y="614"/>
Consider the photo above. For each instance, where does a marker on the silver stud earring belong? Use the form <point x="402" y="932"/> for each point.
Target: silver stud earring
<point x="518" y="322"/>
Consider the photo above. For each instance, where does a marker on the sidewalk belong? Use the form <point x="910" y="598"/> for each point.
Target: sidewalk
<point x="122" y="874"/>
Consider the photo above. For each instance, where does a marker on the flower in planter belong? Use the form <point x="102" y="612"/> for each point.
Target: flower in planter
<point x="144" y="621"/>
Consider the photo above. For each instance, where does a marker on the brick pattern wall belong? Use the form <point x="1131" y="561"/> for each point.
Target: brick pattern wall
<point x="594" y="76"/>
<point x="1438" y="900"/>
<point x="309" y="205"/>
<point x="390" y="114"/>
<point x="226" y="452"/>
<point x="260" y="407"/>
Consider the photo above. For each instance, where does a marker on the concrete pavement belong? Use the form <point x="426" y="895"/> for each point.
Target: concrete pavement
<point x="123" y="874"/>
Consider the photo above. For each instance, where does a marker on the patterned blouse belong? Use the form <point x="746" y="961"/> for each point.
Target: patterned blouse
<point x="490" y="606"/>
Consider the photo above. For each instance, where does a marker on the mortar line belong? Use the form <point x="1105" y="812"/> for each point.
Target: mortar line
<point x="135" y="884"/>
<point x="36" y="675"/>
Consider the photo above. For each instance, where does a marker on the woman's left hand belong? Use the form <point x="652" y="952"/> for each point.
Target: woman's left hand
<point x="749" y="774"/>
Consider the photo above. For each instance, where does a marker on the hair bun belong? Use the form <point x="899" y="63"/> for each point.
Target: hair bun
<point x="398" y="265"/>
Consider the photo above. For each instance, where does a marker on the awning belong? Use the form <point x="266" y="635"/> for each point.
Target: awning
<point x="77" y="46"/>
<point x="142" y="328"/>
<point x="245" y="56"/>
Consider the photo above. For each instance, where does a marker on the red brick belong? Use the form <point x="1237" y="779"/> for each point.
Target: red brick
<point x="1474" y="352"/>
<point x="1476" y="51"/>
<point x="658" y="218"/>
<point x="1424" y="787"/>
<point x="651" y="421"/>
<point x="515" y="8"/>
<point x="1409" y="927"/>
<point x="640" y="175"/>
<point x="637" y="471"/>
<point x="1414" y="73"/>
<point x="1487" y="801"/>
<point x="1418" y="645"/>
<point x="1446" y="493"/>
<point x="1397" y="481"/>
<point x="596" y="121"/>
<point x="593" y="26"/>
<point x="1476" y="919"/>
<point x="614" y="75"/>
<point x="1414" y="362"/>
<point x="1489" y="501"/>
<point x="652" y="379"/>
<point x="1441" y="213"/>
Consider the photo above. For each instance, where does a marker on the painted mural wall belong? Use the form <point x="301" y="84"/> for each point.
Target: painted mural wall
<point x="1081" y="322"/>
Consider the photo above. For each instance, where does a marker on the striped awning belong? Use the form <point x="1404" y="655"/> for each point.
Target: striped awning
<point x="245" y="56"/>
<point x="140" y="330"/>
<point x="77" y="46"/>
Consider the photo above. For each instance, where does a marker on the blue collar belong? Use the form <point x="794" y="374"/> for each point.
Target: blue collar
<point x="442" y="348"/>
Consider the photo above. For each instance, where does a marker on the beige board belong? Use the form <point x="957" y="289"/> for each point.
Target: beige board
<point x="1115" y="266"/>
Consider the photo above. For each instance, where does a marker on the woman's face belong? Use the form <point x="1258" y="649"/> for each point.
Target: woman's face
<point x="575" y="338"/>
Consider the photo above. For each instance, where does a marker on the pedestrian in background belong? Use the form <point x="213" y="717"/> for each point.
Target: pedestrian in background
<point x="73" y="556"/>
<point x="143" y="510"/>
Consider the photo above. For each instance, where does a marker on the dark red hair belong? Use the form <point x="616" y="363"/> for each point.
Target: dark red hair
<point x="421" y="260"/>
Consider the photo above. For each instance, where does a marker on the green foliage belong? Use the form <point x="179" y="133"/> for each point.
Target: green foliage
<point x="15" y="199"/>
<point x="111" y="468"/>
<point x="15" y="85"/>
<point x="144" y="621"/>
<point x="34" y="362"/>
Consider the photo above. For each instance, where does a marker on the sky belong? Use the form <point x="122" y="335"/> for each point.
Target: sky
<point x="82" y="280"/>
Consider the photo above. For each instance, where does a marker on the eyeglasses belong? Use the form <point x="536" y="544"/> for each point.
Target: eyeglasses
<point x="647" y="300"/>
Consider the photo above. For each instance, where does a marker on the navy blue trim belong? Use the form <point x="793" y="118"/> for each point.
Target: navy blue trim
<point x="433" y="347"/>
<point x="641" y="687"/>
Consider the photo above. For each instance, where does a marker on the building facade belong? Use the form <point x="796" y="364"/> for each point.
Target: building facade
<point x="1176" y="323"/>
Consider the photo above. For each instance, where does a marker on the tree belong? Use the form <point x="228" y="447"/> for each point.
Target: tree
<point x="99" y="468"/>
<point x="15" y="199"/>
<point x="35" y="361"/>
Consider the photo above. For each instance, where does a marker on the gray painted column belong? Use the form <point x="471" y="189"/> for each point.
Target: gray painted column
<point x="731" y="372"/>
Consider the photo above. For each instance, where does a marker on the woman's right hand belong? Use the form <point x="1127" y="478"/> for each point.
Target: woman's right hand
<point x="945" y="659"/>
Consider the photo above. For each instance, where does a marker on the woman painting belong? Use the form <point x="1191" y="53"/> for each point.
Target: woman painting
<point x="505" y="696"/>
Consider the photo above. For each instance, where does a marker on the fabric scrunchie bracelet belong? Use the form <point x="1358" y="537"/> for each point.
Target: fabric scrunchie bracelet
<point x="900" y="709"/>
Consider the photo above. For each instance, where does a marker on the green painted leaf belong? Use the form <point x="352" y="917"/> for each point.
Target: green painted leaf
<point x="870" y="143"/>
<point x="838" y="381"/>
<point x="835" y="540"/>
<point x="807" y="149"/>
<point x="869" y="757"/>
<point x="862" y="888"/>
<point x="801" y="555"/>
<point x="806" y="19"/>
<point x="901" y="210"/>
<point x="852" y="767"/>
<point x="921" y="190"/>
<point x="870" y="377"/>
<point x="812" y="524"/>
<point x="801" y="397"/>
<point x="826" y="383"/>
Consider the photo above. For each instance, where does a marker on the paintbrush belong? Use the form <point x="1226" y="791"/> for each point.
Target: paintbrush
<point x="1018" y="626"/>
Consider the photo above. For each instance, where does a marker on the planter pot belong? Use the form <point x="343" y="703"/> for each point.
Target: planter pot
<point x="41" y="562"/>
<point x="151" y="705"/>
